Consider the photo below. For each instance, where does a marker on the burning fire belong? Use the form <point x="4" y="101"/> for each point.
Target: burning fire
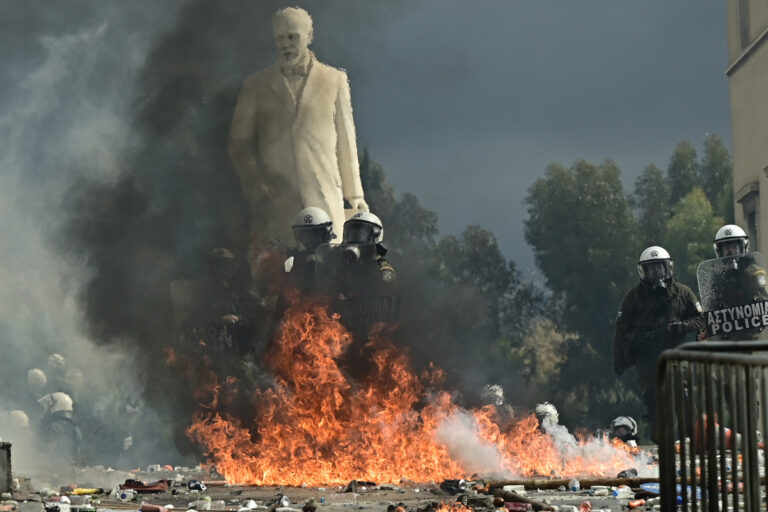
<point x="451" y="507"/>
<point x="318" y="425"/>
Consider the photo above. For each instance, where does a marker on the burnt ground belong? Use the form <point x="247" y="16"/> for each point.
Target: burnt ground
<point x="34" y="495"/>
<point x="233" y="498"/>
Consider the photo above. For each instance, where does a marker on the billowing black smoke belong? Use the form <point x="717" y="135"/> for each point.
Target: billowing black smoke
<point x="117" y="183"/>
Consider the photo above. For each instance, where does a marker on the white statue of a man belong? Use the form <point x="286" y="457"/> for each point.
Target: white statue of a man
<point x="293" y="129"/>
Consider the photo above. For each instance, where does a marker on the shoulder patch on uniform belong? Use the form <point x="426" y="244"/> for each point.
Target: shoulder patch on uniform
<point x="761" y="279"/>
<point x="618" y="315"/>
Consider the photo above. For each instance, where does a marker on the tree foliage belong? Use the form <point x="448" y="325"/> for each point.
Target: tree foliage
<point x="542" y="354"/>
<point x="584" y="236"/>
<point x="460" y="289"/>
<point x="715" y="175"/>
<point x="651" y="200"/>
<point x="682" y="171"/>
<point x="690" y="231"/>
<point x="585" y="240"/>
<point x="409" y="226"/>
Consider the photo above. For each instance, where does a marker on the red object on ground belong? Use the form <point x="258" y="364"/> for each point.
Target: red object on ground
<point x="636" y="503"/>
<point x="143" y="487"/>
<point x="586" y="506"/>
<point x="514" y="506"/>
<point x="148" y="507"/>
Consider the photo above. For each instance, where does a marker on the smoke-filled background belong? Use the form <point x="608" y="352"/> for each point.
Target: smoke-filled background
<point x="114" y="182"/>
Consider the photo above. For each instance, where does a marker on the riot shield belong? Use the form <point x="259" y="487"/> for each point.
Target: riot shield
<point x="734" y="296"/>
<point x="349" y="275"/>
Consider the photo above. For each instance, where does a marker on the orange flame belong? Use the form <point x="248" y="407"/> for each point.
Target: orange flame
<point x="621" y="445"/>
<point x="320" y="426"/>
<point x="452" y="507"/>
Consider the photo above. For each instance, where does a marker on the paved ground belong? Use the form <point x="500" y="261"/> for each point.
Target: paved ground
<point x="233" y="498"/>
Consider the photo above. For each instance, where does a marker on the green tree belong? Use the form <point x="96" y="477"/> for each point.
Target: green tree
<point x="454" y="289"/>
<point x="378" y="193"/>
<point x="585" y="241"/>
<point x="542" y="354"/>
<point x="651" y="201"/>
<point x="474" y="261"/>
<point x="682" y="171"/>
<point x="408" y="226"/>
<point x="725" y="204"/>
<point x="580" y="226"/>
<point x="716" y="174"/>
<point x="690" y="231"/>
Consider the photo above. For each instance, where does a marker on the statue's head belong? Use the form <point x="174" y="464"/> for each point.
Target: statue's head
<point x="293" y="31"/>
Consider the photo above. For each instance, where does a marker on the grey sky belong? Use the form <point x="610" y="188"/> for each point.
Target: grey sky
<point x="469" y="101"/>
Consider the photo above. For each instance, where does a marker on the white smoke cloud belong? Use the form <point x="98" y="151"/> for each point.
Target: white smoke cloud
<point x="460" y="435"/>
<point x="66" y="117"/>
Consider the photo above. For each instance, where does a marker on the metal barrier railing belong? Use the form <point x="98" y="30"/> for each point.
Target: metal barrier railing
<point x="711" y="399"/>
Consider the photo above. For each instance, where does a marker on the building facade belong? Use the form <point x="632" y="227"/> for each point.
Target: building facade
<point x="748" y="75"/>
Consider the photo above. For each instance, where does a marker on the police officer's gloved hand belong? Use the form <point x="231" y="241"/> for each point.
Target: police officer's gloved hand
<point x="676" y="328"/>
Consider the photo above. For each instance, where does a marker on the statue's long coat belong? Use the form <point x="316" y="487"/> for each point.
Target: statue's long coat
<point x="307" y="142"/>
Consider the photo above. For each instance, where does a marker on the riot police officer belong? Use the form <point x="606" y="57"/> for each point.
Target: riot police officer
<point x="58" y="427"/>
<point x="357" y="276"/>
<point x="655" y="315"/>
<point x="734" y="278"/>
<point x="743" y="280"/>
<point x="364" y="234"/>
<point x="624" y="428"/>
<point x="311" y="228"/>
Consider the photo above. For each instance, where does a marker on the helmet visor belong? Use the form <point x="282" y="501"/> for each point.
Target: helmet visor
<point x="311" y="238"/>
<point x="620" y="430"/>
<point x="224" y="268"/>
<point x="358" y="233"/>
<point x="658" y="270"/>
<point x="731" y="248"/>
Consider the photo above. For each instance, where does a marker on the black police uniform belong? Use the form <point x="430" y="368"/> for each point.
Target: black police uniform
<point x="642" y="332"/>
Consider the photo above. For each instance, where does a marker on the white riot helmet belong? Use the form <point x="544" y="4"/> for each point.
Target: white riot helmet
<point x="14" y="419"/>
<point x="492" y="394"/>
<point x="624" y="425"/>
<point x="730" y="240"/>
<point x="363" y="228"/>
<point x="312" y="227"/>
<point x="655" y="264"/>
<point x="36" y="379"/>
<point x="56" y="362"/>
<point x="56" y="402"/>
<point x="546" y="410"/>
